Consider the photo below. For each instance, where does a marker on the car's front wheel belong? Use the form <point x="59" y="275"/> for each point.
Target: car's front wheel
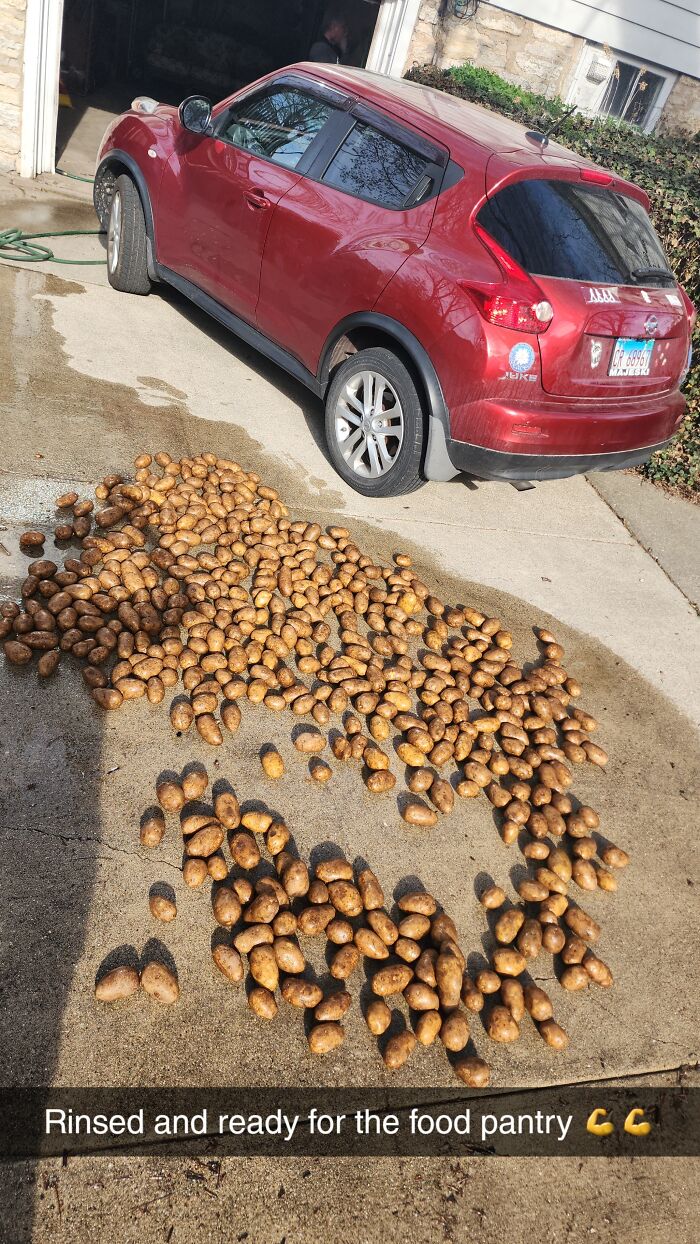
<point x="127" y="254"/>
<point x="375" y="424"/>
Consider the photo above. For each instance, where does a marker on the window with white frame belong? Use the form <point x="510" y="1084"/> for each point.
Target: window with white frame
<point x="608" y="83"/>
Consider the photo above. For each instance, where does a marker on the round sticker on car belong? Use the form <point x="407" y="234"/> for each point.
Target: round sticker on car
<point x="521" y="356"/>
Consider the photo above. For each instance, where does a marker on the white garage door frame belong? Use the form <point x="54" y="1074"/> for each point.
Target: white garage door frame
<point x="42" y="61"/>
<point x="392" y="36"/>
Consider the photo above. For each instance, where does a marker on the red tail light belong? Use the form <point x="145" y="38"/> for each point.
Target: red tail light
<point x="515" y="302"/>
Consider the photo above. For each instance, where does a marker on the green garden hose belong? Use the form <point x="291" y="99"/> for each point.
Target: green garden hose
<point x="21" y="246"/>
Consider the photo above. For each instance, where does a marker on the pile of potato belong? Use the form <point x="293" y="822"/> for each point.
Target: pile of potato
<point x="193" y="579"/>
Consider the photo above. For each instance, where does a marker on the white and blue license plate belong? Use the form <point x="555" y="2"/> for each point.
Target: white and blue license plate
<point x="631" y="357"/>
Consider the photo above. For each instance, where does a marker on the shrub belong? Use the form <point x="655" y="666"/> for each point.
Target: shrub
<point x="667" y="166"/>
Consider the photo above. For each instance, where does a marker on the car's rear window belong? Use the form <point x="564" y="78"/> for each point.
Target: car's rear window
<point x="583" y="233"/>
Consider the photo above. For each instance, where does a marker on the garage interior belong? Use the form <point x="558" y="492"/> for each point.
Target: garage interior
<point x="113" y="50"/>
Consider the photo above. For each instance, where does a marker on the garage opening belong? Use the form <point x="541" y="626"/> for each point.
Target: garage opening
<point x="113" y="50"/>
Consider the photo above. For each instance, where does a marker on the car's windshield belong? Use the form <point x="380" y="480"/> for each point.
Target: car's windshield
<point x="584" y="233"/>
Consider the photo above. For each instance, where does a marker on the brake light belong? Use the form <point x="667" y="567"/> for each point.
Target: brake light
<point x="516" y="302"/>
<point x="595" y="177"/>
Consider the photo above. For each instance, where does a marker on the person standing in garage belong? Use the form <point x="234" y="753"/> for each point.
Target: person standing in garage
<point x="333" y="44"/>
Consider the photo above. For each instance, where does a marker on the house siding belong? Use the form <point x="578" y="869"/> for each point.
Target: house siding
<point x="530" y="54"/>
<point x="12" y="19"/>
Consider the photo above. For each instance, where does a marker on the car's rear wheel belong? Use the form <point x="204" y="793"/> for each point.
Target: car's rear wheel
<point x="127" y="255"/>
<point x="375" y="424"/>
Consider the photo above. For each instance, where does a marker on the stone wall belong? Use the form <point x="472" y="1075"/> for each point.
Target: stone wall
<point x="682" y="108"/>
<point x="531" y="55"/>
<point x="12" y="16"/>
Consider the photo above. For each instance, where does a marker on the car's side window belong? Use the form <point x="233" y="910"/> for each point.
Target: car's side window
<point x="279" y="125"/>
<point x="370" y="165"/>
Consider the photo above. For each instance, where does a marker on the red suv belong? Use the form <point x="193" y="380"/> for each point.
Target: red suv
<point x="463" y="295"/>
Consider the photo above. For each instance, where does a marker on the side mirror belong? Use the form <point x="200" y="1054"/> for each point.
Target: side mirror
<point x="195" y="114"/>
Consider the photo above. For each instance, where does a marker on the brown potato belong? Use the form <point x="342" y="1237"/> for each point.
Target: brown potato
<point x="262" y="1003"/>
<point x="398" y="1049"/>
<point x="392" y="979"/>
<point x="598" y="971"/>
<point x="553" y="938"/>
<point x="414" y="926"/>
<point x="226" y="907"/>
<point x="448" y="974"/>
<point x="325" y="1037"/>
<point x="315" y="919"/>
<point x="381" y="924"/>
<point x="614" y="857"/>
<point x="231" y="718"/>
<point x="492" y="897"/>
<point x="229" y="962"/>
<point x="370" y="890"/>
<point x="501" y="1026"/>
<point x="471" y="995"/>
<point x="194" y="872"/>
<point x="120" y="983"/>
<point x="509" y="925"/>
<point x="263" y="909"/>
<point x="420" y="997"/>
<point x="333" y="1007"/>
<point x="160" y="983"/>
<point x="288" y="955"/>
<point x="418" y="901"/>
<point x="513" y="997"/>
<point x="206" y="841"/>
<point x="170" y="796"/>
<point x="263" y="966"/>
<point x="254" y="935"/>
<point x="415" y="813"/>
<point x="427" y="1027"/>
<point x="244" y="850"/>
<point x="553" y="1034"/>
<point x="152" y="829"/>
<point x="380" y="781"/>
<point x="194" y="783"/>
<point x="162" y="908"/>
<point x="334" y="870"/>
<point x="181" y="715"/>
<point x="272" y="763"/>
<point x="310" y="741"/>
<point x="473" y="1072"/>
<point x="442" y="795"/>
<point x="344" y="961"/>
<point x="301" y="993"/>
<point x="583" y="925"/>
<point x="259" y="822"/>
<point x="529" y="939"/>
<point x="574" y="978"/>
<point x="454" y="1032"/>
<point x="378" y="1017"/>
<point x="508" y="962"/>
<point x="345" y="897"/>
<point x="339" y="931"/>
<point x="370" y="944"/>
<point x="584" y="874"/>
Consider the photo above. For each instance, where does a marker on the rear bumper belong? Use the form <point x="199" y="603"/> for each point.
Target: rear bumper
<point x="494" y="464"/>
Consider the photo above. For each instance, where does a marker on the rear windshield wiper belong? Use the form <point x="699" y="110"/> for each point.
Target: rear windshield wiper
<point x="641" y="274"/>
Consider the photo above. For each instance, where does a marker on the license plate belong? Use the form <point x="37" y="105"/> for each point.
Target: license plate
<point x="631" y="357"/>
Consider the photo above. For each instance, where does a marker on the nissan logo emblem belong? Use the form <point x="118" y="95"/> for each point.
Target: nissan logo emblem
<point x="651" y="324"/>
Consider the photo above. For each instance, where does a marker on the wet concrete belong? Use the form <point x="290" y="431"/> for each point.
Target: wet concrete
<point x="88" y="380"/>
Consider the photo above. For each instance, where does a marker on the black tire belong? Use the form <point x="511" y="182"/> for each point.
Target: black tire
<point x="127" y="254"/>
<point x="400" y="460"/>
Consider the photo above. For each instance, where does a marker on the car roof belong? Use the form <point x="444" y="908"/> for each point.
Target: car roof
<point x="470" y="131"/>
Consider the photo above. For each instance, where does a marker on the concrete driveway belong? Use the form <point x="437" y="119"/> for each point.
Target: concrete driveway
<point x="88" y="379"/>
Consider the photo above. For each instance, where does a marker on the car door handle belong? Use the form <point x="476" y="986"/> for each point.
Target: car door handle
<point x="256" y="200"/>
